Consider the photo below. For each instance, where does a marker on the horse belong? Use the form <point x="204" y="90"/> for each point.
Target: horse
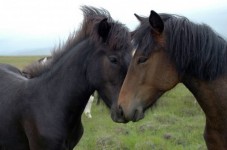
<point x="171" y="49"/>
<point x="44" y="112"/>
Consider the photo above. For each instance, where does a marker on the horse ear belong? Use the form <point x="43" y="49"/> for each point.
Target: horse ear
<point x="104" y="29"/>
<point x="156" y="22"/>
<point x="139" y="17"/>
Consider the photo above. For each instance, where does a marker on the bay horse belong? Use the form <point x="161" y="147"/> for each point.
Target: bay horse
<point x="171" y="49"/>
<point x="44" y="112"/>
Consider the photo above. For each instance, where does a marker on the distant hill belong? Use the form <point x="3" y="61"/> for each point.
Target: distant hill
<point x="34" y="52"/>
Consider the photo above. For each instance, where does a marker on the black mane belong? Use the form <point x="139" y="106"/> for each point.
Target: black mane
<point x="88" y="29"/>
<point x="195" y="49"/>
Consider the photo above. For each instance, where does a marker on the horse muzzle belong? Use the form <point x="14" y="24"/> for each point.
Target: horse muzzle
<point x="122" y="116"/>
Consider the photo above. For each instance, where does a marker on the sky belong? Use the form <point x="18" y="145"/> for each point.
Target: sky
<point x="35" y="27"/>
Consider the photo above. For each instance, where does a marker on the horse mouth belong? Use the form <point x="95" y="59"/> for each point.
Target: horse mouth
<point x="138" y="115"/>
<point x="119" y="119"/>
<point x="117" y="115"/>
<point x="135" y="114"/>
<point x="139" y="112"/>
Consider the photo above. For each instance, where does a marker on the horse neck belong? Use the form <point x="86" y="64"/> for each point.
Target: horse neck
<point x="66" y="81"/>
<point x="210" y="96"/>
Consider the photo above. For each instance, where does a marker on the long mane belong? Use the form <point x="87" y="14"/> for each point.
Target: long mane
<point x="88" y="29"/>
<point x="195" y="49"/>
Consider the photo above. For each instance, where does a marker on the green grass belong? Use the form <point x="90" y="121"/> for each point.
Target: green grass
<point x="18" y="61"/>
<point x="176" y="122"/>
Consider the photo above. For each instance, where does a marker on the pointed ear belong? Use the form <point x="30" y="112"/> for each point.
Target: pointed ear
<point x="156" y="22"/>
<point x="104" y="29"/>
<point x="139" y="17"/>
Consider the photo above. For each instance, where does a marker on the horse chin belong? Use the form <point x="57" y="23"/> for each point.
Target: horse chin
<point x="138" y="115"/>
<point x="134" y="115"/>
<point x="139" y="112"/>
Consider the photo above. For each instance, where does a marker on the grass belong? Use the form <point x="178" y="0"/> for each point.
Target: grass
<point x="176" y="122"/>
<point x="18" y="61"/>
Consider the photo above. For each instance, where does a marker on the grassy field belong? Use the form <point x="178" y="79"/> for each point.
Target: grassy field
<point x="18" y="61"/>
<point x="176" y="122"/>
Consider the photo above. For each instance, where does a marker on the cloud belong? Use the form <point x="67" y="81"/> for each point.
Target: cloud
<point x="32" y="24"/>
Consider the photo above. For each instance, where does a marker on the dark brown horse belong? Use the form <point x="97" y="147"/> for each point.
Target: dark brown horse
<point x="172" y="49"/>
<point x="44" y="112"/>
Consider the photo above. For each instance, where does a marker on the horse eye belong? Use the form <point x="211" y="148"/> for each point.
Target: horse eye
<point x="113" y="59"/>
<point x="142" y="59"/>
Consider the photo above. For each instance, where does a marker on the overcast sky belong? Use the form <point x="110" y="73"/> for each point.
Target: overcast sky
<point x="28" y="25"/>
